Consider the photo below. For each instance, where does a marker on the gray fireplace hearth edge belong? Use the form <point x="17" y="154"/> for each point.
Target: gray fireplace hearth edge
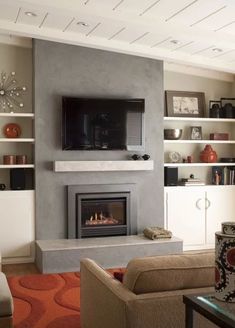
<point x="64" y="255"/>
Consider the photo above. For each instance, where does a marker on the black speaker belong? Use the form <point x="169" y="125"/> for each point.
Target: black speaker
<point x="17" y="179"/>
<point x="171" y="176"/>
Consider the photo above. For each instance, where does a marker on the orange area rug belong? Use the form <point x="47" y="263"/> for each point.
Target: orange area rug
<point x="47" y="300"/>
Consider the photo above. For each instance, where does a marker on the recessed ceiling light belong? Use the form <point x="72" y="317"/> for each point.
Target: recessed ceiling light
<point x="217" y="50"/>
<point x="83" y="24"/>
<point x="30" y="14"/>
<point x="175" y="41"/>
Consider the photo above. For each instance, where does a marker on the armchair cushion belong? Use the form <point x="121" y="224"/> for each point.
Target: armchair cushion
<point x="168" y="273"/>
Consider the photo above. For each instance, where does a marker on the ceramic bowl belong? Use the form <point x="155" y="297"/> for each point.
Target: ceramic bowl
<point x="172" y="134"/>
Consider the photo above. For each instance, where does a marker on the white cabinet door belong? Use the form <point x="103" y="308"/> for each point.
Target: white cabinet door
<point x="220" y="208"/>
<point x="16" y="223"/>
<point x="185" y="214"/>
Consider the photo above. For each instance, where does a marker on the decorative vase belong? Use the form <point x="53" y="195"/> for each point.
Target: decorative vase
<point x="225" y="263"/>
<point x="208" y="155"/>
<point x="21" y="159"/>
<point x="9" y="159"/>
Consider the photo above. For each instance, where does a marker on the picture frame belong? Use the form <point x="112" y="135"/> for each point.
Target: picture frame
<point x="215" y="102"/>
<point x="185" y="103"/>
<point x="195" y="132"/>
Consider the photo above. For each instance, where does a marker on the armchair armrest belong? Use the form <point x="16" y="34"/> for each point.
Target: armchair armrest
<point x="103" y="298"/>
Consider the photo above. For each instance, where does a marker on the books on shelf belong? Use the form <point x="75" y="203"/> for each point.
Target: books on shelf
<point x="191" y="182"/>
<point x="223" y="175"/>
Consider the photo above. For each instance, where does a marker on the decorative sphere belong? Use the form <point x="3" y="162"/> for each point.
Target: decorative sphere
<point x="13" y="73"/>
<point x="2" y="92"/>
<point x="21" y="105"/>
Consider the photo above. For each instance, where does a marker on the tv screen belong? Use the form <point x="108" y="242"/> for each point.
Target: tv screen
<point x="102" y="124"/>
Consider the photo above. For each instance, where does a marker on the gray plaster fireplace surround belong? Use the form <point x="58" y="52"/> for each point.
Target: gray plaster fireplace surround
<point x="68" y="70"/>
<point x="102" y="210"/>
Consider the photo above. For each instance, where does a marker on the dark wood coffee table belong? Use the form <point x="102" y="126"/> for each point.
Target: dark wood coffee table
<point x="220" y="313"/>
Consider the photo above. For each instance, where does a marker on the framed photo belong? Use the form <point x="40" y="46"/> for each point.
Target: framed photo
<point x="185" y="103"/>
<point x="196" y="133"/>
<point x="214" y="103"/>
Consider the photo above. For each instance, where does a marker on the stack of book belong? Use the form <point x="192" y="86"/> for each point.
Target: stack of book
<point x="223" y="175"/>
<point x="191" y="182"/>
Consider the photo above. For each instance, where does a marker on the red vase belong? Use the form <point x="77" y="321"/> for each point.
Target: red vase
<point x="208" y="155"/>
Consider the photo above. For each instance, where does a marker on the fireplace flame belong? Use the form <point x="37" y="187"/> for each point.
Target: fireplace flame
<point x="100" y="218"/>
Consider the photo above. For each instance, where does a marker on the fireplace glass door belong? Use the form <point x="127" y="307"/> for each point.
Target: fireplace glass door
<point x="103" y="212"/>
<point x="103" y="216"/>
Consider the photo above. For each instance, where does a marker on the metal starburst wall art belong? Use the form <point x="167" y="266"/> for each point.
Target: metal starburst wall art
<point x="10" y="92"/>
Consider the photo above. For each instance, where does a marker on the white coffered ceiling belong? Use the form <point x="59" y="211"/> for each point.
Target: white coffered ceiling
<point x="192" y="32"/>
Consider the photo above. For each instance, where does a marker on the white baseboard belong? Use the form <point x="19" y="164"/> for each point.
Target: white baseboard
<point x="18" y="260"/>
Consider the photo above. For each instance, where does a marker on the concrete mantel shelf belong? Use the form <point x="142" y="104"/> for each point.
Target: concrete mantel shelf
<point x="101" y="166"/>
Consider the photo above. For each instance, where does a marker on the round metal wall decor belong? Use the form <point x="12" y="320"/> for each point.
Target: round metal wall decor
<point x="10" y="92"/>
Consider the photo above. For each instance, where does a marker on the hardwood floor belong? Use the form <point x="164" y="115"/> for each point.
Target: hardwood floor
<point x="19" y="269"/>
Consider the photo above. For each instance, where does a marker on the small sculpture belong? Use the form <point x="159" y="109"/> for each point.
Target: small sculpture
<point x="208" y="155"/>
<point x="135" y="157"/>
<point x="145" y="157"/>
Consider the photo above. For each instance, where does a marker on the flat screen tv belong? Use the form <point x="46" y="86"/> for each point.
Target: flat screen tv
<point x="102" y="124"/>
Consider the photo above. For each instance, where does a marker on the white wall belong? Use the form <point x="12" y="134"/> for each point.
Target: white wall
<point x="18" y="59"/>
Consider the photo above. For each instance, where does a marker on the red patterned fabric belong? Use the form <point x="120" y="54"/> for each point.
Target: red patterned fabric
<point x="47" y="300"/>
<point x="118" y="275"/>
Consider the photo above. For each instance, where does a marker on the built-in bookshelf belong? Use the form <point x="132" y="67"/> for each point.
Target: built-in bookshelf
<point x="22" y="145"/>
<point x="186" y="147"/>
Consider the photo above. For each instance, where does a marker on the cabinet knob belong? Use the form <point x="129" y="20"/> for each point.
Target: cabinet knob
<point x="197" y="204"/>
<point x="208" y="203"/>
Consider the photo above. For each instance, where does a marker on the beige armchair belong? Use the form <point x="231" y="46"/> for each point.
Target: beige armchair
<point x="150" y="295"/>
<point x="6" y="303"/>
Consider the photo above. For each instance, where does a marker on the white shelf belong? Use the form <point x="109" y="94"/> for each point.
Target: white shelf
<point x="101" y="166"/>
<point x="199" y="141"/>
<point x="200" y="119"/>
<point x="26" y="166"/>
<point x="31" y="140"/>
<point x="206" y="186"/>
<point x="17" y="115"/>
<point x="198" y="164"/>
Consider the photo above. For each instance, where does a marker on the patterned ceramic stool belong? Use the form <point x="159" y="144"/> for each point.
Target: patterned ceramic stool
<point x="225" y="262"/>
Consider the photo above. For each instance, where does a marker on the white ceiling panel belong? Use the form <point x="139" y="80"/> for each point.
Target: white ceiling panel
<point x="23" y="18"/>
<point x="201" y="11"/>
<point x="107" y="29"/>
<point x="109" y="4"/>
<point x="228" y="28"/>
<point x="129" y="34"/>
<point x="152" y="40"/>
<point x="137" y="7"/>
<point x="226" y="56"/>
<point x="8" y="12"/>
<point x="150" y="28"/>
<point x="175" y="43"/>
<point x="197" y="47"/>
<point x="77" y="25"/>
<point x="222" y="18"/>
<point x="55" y="21"/>
<point x="212" y="52"/>
<point x="165" y="9"/>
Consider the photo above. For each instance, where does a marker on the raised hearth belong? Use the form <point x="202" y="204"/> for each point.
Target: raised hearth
<point x="64" y="255"/>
